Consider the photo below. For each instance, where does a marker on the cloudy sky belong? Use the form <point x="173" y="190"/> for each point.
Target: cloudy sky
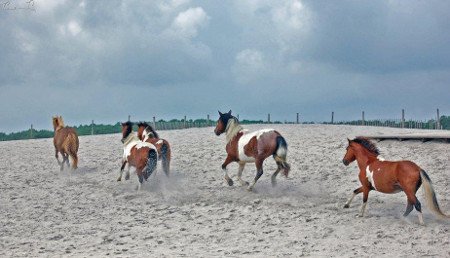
<point x="103" y="60"/>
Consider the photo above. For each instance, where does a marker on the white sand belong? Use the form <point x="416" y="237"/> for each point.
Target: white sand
<point x="44" y="212"/>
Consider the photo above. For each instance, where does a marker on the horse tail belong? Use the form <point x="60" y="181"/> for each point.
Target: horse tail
<point x="71" y="145"/>
<point x="165" y="157"/>
<point x="430" y="195"/>
<point x="152" y="159"/>
<point x="280" y="154"/>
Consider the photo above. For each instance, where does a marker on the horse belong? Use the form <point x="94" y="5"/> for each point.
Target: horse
<point x="65" y="140"/>
<point x="389" y="177"/>
<point x="251" y="147"/>
<point x="141" y="155"/>
<point x="146" y="134"/>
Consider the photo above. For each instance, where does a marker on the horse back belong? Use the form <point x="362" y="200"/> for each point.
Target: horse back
<point x="66" y="137"/>
<point x="392" y="176"/>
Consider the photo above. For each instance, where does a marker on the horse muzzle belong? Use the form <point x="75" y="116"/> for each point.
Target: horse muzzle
<point x="345" y="162"/>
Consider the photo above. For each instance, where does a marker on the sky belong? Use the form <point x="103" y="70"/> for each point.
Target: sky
<point x="105" y="60"/>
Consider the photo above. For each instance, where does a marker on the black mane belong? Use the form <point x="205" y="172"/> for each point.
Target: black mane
<point x="367" y="144"/>
<point x="149" y="127"/>
<point x="129" y="126"/>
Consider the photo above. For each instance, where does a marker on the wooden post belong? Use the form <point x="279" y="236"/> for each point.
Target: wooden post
<point x="154" y="123"/>
<point x="362" y="121"/>
<point x="332" y="117"/>
<point x="438" y="120"/>
<point x="298" y="120"/>
<point x="92" y="127"/>
<point x="31" y="132"/>
<point x="129" y="118"/>
<point x="238" y="117"/>
<point x="207" y="120"/>
<point x="268" y="118"/>
<point x="403" y="118"/>
<point x="184" y="125"/>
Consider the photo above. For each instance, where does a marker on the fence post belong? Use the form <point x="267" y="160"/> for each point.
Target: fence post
<point x="438" y="120"/>
<point x="298" y="120"/>
<point x="268" y="118"/>
<point x="332" y="117"/>
<point x="362" y="121"/>
<point x="207" y="120"/>
<point x="154" y="123"/>
<point x="31" y="131"/>
<point x="184" y="125"/>
<point x="92" y="127"/>
<point x="129" y="118"/>
<point x="403" y="118"/>
<point x="238" y="117"/>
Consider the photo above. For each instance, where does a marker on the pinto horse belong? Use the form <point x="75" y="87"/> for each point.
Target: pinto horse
<point x="389" y="177"/>
<point x="141" y="155"/>
<point x="66" y="142"/>
<point x="248" y="147"/>
<point x="146" y="134"/>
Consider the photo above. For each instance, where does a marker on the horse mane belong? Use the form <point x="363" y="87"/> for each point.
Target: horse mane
<point x="149" y="128"/>
<point x="367" y="144"/>
<point x="233" y="128"/>
<point x="129" y="126"/>
<point x="58" y="122"/>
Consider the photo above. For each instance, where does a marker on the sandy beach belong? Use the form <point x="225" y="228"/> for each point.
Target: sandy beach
<point x="45" y="212"/>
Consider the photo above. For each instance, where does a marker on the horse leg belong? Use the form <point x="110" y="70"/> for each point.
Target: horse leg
<point x="274" y="175"/>
<point x="259" y="172"/>
<point x="127" y="174"/>
<point x="140" y="178"/>
<point x="239" y="174"/>
<point x="413" y="201"/>
<point x="57" y="157"/>
<point x="355" y="192"/>
<point x="124" y="163"/>
<point x="228" y="160"/>
<point x="66" y="157"/>
<point x="63" y="161"/>
<point x="365" y="197"/>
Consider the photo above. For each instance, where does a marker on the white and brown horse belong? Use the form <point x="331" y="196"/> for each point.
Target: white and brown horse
<point x="251" y="147"/>
<point x="389" y="177"/>
<point x="66" y="142"/>
<point x="146" y="133"/>
<point x="141" y="155"/>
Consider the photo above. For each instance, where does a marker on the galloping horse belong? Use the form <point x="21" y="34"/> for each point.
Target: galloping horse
<point x="141" y="155"/>
<point x="245" y="147"/>
<point x="146" y="134"/>
<point x="389" y="177"/>
<point x="66" y="142"/>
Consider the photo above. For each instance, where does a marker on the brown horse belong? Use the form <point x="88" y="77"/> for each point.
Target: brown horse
<point x="389" y="177"/>
<point x="141" y="155"/>
<point x="66" y="142"/>
<point x="245" y="147"/>
<point x="146" y="134"/>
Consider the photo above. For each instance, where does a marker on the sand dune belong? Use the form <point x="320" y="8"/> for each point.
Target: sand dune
<point x="45" y="212"/>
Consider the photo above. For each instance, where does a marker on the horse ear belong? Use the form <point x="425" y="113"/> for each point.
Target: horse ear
<point x="229" y="112"/>
<point x="349" y="141"/>
<point x="220" y="113"/>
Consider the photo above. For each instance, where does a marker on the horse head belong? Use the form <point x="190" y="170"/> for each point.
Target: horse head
<point x="350" y="155"/>
<point x="222" y="122"/>
<point x="127" y="128"/>
<point x="58" y="122"/>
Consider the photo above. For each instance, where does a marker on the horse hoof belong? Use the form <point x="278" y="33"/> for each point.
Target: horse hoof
<point x="119" y="179"/>
<point x="229" y="181"/>
<point x="346" y="206"/>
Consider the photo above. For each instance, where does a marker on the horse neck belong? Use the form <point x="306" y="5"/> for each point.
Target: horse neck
<point x="232" y="129"/>
<point x="147" y="134"/>
<point x="364" y="158"/>
<point x="59" y="127"/>
<point x="131" y="138"/>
